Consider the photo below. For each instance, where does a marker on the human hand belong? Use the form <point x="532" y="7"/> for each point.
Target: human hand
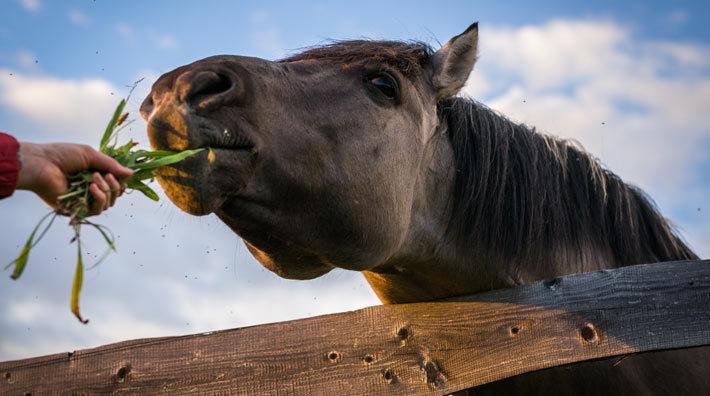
<point x="45" y="168"/>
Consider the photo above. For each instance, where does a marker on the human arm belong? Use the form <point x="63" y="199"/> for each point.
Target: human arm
<point x="44" y="169"/>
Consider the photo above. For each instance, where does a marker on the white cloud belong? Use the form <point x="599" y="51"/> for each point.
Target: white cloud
<point x="150" y="287"/>
<point x="684" y="57"/>
<point x="124" y="30"/>
<point x="698" y="234"/>
<point x="24" y="312"/>
<point x="163" y="41"/>
<point x="159" y="40"/>
<point x="266" y="35"/>
<point x="72" y="109"/>
<point x="268" y="42"/>
<point x="622" y="97"/>
<point x="556" y="54"/>
<point x="79" y="18"/>
<point x="255" y="305"/>
<point x="27" y="60"/>
<point x="678" y="17"/>
<point x="31" y="5"/>
<point x="161" y="281"/>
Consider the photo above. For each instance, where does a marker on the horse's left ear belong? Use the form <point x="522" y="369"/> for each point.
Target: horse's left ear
<point x="453" y="62"/>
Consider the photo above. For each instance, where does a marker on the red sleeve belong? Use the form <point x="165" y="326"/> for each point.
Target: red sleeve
<point x="9" y="164"/>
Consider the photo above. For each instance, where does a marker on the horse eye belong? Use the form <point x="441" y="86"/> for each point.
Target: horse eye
<point x="386" y="84"/>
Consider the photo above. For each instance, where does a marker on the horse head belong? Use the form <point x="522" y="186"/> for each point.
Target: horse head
<point x="325" y="159"/>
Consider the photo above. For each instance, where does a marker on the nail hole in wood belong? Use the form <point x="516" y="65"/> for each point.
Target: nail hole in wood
<point x="553" y="284"/>
<point x="403" y="333"/>
<point x="589" y="333"/>
<point x="333" y="356"/>
<point x="514" y="330"/>
<point x="8" y="376"/>
<point x="368" y="359"/>
<point x="389" y="376"/>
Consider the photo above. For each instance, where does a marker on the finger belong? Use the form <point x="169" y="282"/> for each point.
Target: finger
<point x="103" y="186"/>
<point x="99" y="200"/>
<point x="115" y="187"/>
<point x="101" y="182"/>
<point x="103" y="162"/>
<point x="124" y="186"/>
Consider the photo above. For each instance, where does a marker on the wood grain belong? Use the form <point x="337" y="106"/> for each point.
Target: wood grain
<point x="424" y="348"/>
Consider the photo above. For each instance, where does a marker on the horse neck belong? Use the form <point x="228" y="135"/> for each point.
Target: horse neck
<point x="526" y="207"/>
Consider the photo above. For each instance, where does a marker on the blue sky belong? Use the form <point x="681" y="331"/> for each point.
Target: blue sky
<point x="629" y="80"/>
<point x="166" y="33"/>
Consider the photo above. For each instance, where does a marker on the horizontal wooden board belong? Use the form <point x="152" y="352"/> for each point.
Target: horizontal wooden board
<point x="423" y="348"/>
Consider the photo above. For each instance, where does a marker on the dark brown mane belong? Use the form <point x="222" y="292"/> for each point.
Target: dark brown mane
<point x="521" y="193"/>
<point x="407" y="57"/>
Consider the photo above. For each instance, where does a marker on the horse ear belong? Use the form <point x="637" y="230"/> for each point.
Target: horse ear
<point x="453" y="62"/>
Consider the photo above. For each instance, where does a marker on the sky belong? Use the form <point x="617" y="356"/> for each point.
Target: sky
<point x="630" y="81"/>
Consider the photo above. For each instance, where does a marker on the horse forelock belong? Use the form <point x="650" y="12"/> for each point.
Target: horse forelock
<point x="518" y="193"/>
<point x="407" y="57"/>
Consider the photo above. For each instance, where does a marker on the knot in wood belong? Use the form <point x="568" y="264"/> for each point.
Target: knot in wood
<point x="403" y="334"/>
<point x="434" y="377"/>
<point x="123" y="372"/>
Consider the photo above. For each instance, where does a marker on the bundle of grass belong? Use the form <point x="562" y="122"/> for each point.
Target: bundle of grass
<point x="75" y="203"/>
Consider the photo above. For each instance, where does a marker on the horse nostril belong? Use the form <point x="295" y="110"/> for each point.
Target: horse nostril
<point x="202" y="87"/>
<point x="147" y="107"/>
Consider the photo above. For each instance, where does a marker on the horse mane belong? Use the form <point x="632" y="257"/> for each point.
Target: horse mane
<point x="518" y="193"/>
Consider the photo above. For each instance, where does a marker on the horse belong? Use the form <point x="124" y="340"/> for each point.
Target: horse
<point x="360" y="155"/>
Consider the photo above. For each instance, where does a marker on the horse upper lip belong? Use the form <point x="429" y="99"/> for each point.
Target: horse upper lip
<point x="208" y="133"/>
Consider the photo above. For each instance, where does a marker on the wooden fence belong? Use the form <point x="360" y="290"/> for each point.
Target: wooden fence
<point x="422" y="348"/>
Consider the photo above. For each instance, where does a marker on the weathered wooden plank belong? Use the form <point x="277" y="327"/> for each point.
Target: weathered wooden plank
<point x="424" y="348"/>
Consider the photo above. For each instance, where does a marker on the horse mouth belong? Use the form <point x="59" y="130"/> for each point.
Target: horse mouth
<point x="200" y="133"/>
<point x="194" y="184"/>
